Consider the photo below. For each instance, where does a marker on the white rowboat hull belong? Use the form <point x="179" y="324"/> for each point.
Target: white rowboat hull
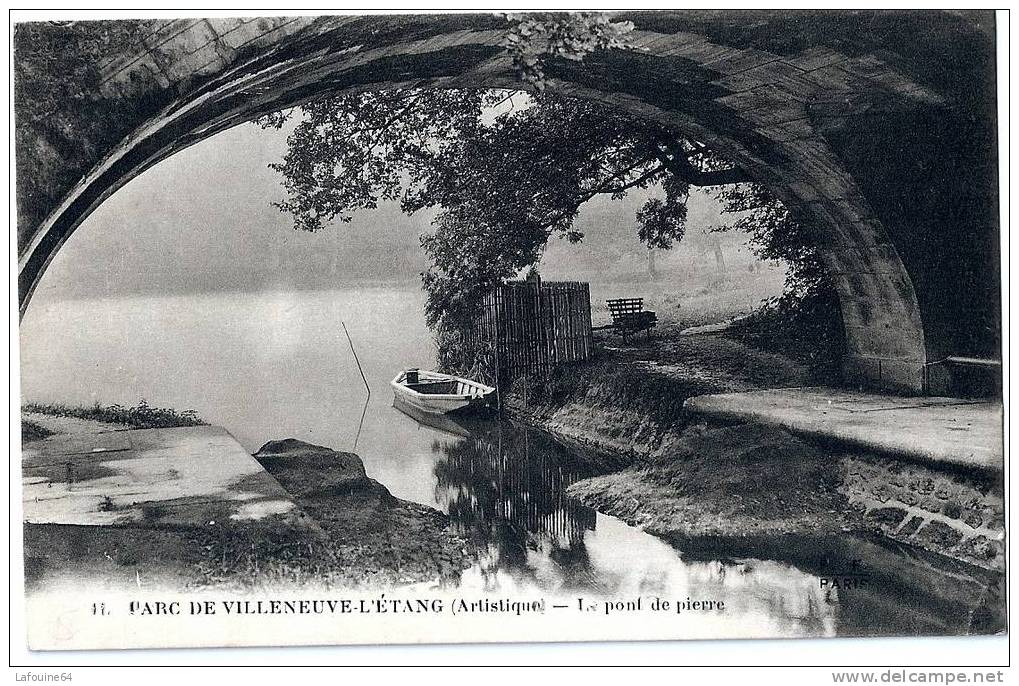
<point x="437" y="393"/>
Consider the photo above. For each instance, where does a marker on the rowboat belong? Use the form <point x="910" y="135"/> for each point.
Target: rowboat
<point x="438" y="393"/>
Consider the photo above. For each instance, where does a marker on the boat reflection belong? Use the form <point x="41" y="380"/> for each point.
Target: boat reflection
<point x="503" y="485"/>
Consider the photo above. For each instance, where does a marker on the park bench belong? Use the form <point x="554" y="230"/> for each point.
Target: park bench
<point x="630" y="317"/>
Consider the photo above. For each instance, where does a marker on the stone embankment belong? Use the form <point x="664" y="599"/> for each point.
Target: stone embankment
<point x="956" y="513"/>
<point x="174" y="517"/>
<point x="698" y="477"/>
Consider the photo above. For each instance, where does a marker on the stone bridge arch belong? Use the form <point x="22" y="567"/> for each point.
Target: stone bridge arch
<point x="813" y="105"/>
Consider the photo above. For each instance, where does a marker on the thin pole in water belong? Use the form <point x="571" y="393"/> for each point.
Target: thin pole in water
<point x="364" y="412"/>
<point x="367" y="387"/>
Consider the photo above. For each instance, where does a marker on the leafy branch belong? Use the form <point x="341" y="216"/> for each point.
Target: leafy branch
<point x="533" y="38"/>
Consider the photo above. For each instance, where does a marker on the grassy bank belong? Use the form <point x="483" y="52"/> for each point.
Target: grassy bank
<point x="629" y="398"/>
<point x="727" y="482"/>
<point x="141" y="416"/>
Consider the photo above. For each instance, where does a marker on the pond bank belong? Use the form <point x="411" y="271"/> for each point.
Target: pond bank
<point x="629" y="399"/>
<point x="353" y="533"/>
<point x="692" y="478"/>
<point x="748" y="481"/>
<point x="376" y="539"/>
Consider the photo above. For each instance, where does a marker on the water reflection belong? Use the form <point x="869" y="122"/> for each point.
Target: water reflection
<point x="503" y="485"/>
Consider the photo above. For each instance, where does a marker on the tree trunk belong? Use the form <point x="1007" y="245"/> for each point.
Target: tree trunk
<point x="719" y="258"/>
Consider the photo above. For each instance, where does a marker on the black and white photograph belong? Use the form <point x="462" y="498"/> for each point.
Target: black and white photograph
<point x="500" y="327"/>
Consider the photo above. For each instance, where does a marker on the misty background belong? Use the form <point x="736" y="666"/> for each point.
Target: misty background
<point x="187" y="289"/>
<point x="202" y="222"/>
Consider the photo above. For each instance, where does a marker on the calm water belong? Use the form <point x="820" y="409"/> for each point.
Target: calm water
<point x="275" y="365"/>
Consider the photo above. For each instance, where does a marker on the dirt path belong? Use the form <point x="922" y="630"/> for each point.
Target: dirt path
<point x="705" y="360"/>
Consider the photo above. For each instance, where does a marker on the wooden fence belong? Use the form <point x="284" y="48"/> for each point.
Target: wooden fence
<point x="538" y="326"/>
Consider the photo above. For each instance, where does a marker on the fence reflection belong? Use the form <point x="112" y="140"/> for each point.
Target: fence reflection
<point x="503" y="485"/>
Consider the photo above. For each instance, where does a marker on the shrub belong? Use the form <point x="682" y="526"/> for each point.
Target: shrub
<point x="141" y="416"/>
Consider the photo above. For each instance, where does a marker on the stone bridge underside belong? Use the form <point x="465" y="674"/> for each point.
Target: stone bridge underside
<point x="877" y="128"/>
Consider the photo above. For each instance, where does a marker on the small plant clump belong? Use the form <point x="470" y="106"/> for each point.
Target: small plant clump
<point x="32" y="431"/>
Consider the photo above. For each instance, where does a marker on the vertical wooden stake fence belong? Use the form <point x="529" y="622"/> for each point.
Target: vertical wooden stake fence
<point x="535" y="327"/>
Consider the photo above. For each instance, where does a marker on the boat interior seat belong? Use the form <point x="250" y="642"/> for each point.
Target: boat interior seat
<point x="434" y="387"/>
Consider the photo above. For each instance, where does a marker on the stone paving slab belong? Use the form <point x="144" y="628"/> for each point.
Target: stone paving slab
<point x="942" y="430"/>
<point x="102" y="442"/>
<point x="189" y="476"/>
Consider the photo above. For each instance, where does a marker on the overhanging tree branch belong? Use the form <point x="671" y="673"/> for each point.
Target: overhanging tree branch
<point x="676" y="161"/>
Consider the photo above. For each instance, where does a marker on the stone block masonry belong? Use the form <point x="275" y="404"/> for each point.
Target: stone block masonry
<point x="793" y="109"/>
<point x="953" y="513"/>
<point x="923" y="471"/>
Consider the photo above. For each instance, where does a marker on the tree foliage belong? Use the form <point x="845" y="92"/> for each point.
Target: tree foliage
<point x="808" y="309"/>
<point x="506" y="170"/>
<point x="503" y="170"/>
<point x="662" y="222"/>
<point x="534" y="38"/>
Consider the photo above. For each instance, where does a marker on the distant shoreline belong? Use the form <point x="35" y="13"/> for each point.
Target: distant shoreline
<point x="43" y="296"/>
